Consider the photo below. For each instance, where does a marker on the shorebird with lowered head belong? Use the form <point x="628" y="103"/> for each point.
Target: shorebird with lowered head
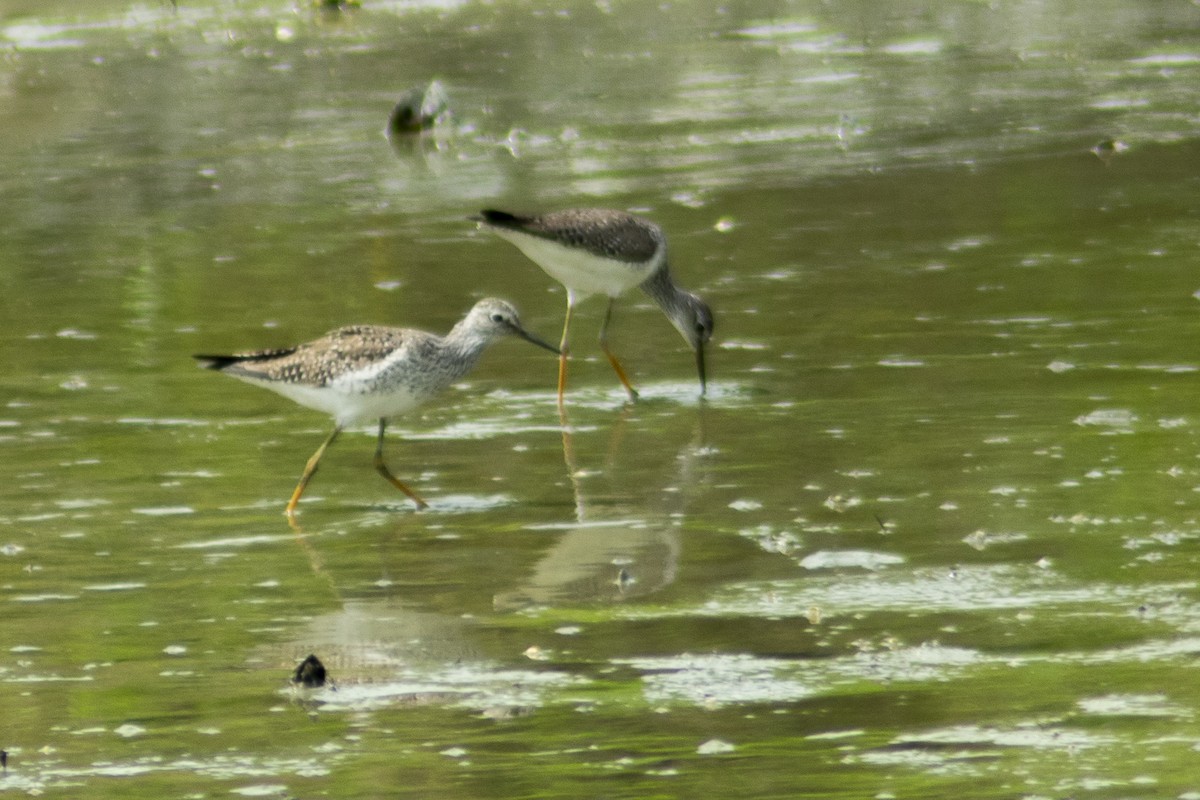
<point x="367" y="372"/>
<point x="600" y="251"/>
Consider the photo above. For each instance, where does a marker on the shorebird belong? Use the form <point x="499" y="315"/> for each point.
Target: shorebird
<point x="366" y="372"/>
<point x="600" y="251"/>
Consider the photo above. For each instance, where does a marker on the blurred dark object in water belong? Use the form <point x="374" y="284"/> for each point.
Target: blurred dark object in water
<point x="1109" y="149"/>
<point x="310" y="673"/>
<point x="418" y="109"/>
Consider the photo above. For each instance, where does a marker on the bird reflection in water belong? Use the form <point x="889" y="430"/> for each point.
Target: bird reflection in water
<point x="612" y="552"/>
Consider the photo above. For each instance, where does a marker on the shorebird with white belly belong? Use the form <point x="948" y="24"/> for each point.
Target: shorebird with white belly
<point x="368" y="372"/>
<point x="600" y="251"/>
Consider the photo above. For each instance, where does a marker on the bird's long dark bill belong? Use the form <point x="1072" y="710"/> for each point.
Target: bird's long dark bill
<point x="529" y="337"/>
<point x="700" y="369"/>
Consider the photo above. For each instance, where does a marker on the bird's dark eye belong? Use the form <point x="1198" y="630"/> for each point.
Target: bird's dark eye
<point x="497" y="318"/>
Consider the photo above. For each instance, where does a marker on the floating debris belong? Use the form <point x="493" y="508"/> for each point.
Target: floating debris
<point x="535" y="653"/>
<point x="506" y="712"/>
<point x="1118" y="418"/>
<point x="624" y="579"/>
<point x="1107" y="150"/>
<point x="418" y="109"/>
<point x="848" y="128"/>
<point x="850" y="559"/>
<point x="841" y="503"/>
<point x="310" y="673"/>
<point x="715" y="747"/>
<point x="129" y="730"/>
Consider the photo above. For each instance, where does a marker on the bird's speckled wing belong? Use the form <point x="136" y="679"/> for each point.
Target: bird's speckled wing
<point x="321" y="361"/>
<point x="600" y="231"/>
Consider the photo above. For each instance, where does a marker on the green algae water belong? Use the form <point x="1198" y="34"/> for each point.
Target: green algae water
<point x="933" y="533"/>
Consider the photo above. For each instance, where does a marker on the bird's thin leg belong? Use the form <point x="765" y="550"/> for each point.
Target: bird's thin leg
<point x="309" y="470"/>
<point x="382" y="469"/>
<point x="563" y="350"/>
<point x="612" y="359"/>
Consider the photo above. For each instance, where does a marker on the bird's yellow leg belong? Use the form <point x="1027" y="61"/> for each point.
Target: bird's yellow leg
<point x="382" y="469"/>
<point x="562" y="351"/>
<point x="310" y="469"/>
<point x="612" y="359"/>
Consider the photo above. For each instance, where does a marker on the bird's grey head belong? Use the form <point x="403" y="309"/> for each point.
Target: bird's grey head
<point x="694" y="320"/>
<point x="702" y="323"/>
<point x="494" y="317"/>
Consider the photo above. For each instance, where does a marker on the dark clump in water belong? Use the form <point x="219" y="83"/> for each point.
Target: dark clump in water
<point x="310" y="673"/>
<point x="418" y="109"/>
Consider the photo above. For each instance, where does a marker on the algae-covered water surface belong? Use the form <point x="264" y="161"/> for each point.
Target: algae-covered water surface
<point x="932" y="532"/>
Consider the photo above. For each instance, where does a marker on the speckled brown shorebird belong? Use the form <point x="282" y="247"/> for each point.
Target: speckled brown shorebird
<point x="367" y="372"/>
<point x="601" y="251"/>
